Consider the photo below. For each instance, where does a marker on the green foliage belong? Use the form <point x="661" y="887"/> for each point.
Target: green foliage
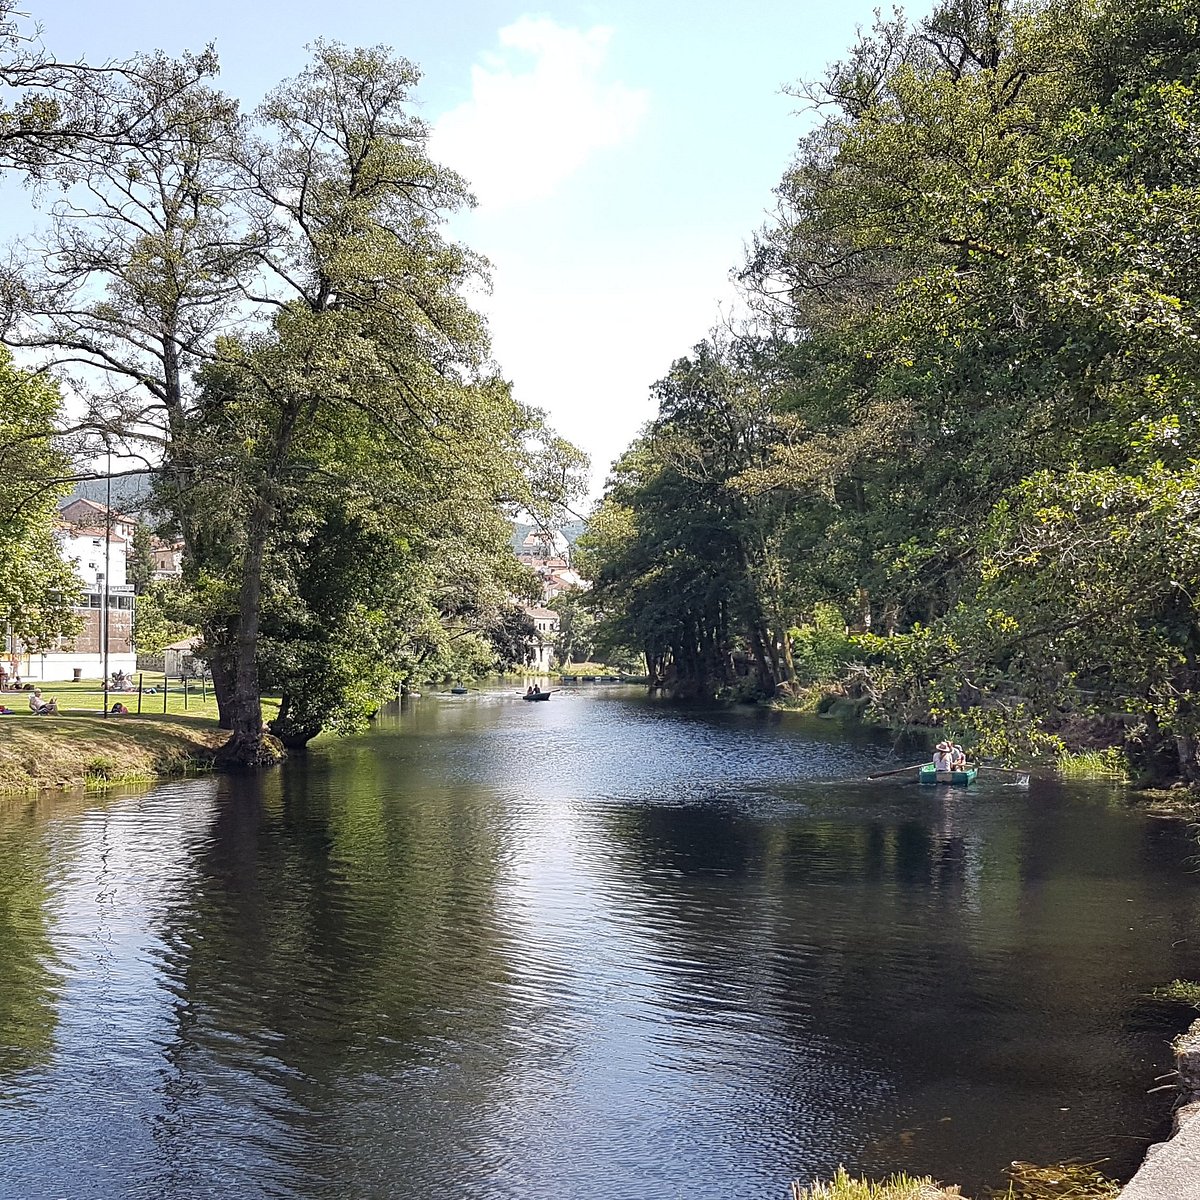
<point x="685" y="551"/>
<point x="576" y="626"/>
<point x="37" y="589"/>
<point x="973" y="380"/>
<point x="139" y="563"/>
<point x="164" y="612"/>
<point x="821" y="649"/>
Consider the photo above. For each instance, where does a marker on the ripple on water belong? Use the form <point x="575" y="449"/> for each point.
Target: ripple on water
<point x="592" y="945"/>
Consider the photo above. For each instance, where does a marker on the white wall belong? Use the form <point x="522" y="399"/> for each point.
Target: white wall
<point x="61" y="667"/>
<point x="87" y="551"/>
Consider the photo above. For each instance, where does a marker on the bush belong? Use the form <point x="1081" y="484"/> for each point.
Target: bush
<point x="99" y="769"/>
<point x="822" y="648"/>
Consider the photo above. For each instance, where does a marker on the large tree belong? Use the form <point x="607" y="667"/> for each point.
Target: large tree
<point x="268" y="311"/>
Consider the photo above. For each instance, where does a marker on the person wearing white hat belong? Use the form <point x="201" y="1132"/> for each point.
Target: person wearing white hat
<point x="941" y="756"/>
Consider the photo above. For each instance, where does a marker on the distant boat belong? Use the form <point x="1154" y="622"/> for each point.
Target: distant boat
<point x="930" y="776"/>
<point x="537" y="696"/>
<point x="458" y="691"/>
<point x="568" y="678"/>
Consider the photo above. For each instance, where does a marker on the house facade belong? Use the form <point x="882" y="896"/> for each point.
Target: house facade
<point x="168" y="558"/>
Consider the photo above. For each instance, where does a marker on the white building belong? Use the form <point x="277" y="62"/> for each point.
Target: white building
<point x="542" y="643"/>
<point x="81" y="538"/>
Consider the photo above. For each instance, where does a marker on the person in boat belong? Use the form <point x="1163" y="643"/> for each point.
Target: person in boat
<point x="958" y="758"/>
<point x="537" y="689"/>
<point x="942" y="757"/>
<point x="529" y="690"/>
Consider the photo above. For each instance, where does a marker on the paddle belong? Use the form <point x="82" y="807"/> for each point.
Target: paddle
<point x="898" y="771"/>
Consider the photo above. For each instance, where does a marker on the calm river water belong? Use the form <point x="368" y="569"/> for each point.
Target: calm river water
<point x="593" y="948"/>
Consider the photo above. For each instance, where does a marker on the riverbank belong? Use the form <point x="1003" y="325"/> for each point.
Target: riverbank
<point x="93" y="751"/>
<point x="1172" y="1168"/>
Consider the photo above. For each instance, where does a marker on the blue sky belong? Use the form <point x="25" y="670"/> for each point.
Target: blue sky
<point x="622" y="153"/>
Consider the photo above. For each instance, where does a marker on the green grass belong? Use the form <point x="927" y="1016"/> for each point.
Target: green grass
<point x="1110" y="763"/>
<point x="87" y="699"/>
<point x="897" y="1187"/>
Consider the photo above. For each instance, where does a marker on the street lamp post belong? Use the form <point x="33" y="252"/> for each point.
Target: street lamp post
<point x="107" y="545"/>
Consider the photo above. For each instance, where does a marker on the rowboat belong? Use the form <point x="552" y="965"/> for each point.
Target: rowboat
<point x="458" y="691"/>
<point x="538" y="696"/>
<point x="930" y="776"/>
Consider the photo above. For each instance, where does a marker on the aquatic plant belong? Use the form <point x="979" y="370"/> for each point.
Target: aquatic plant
<point x="1109" y="763"/>
<point x="896" y="1187"/>
<point x="1182" y="991"/>
<point x="1063" y="1181"/>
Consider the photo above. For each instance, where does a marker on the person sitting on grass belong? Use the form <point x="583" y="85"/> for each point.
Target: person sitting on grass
<point x="40" y="707"/>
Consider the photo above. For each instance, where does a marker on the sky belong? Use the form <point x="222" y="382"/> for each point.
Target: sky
<point x="622" y="153"/>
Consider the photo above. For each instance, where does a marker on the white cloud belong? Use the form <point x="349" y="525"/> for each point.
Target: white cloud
<point x="538" y="111"/>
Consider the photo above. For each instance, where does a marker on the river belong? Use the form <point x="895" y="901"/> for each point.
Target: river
<point x="597" y="947"/>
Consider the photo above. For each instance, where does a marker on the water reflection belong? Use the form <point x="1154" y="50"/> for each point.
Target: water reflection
<point x="595" y="945"/>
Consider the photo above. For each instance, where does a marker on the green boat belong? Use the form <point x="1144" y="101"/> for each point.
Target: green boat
<point x="930" y="776"/>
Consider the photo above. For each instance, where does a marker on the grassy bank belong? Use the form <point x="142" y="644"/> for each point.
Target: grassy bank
<point x="87" y="698"/>
<point x="92" y="751"/>
<point x="83" y="748"/>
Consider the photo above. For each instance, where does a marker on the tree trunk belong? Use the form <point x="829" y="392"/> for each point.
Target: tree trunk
<point x="223" y="683"/>
<point x="1185" y="749"/>
<point x="251" y="745"/>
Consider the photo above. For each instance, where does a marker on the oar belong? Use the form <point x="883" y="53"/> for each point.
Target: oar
<point x="897" y="771"/>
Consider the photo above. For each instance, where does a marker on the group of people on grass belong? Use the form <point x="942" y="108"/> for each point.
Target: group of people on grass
<point x="949" y="756"/>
